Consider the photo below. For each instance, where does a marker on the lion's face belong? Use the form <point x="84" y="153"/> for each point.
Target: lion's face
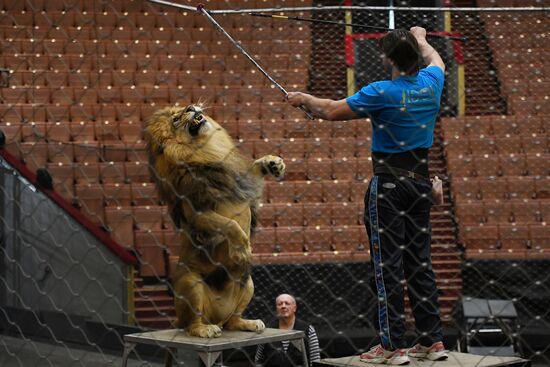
<point x="185" y="124"/>
<point x="188" y="134"/>
<point x="192" y="122"/>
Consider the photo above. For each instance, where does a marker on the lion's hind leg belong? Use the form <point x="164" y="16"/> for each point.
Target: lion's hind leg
<point x="236" y="322"/>
<point x="190" y="298"/>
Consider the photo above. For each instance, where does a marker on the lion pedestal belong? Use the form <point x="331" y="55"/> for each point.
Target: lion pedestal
<point x="455" y="360"/>
<point x="210" y="349"/>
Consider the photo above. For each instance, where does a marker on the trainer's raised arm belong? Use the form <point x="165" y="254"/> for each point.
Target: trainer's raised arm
<point x="429" y="54"/>
<point x="324" y="108"/>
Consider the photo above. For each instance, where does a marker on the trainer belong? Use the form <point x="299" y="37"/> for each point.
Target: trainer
<point x="403" y="112"/>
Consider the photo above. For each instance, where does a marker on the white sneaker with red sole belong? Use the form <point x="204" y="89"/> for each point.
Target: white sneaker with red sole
<point x="435" y="352"/>
<point x="379" y="355"/>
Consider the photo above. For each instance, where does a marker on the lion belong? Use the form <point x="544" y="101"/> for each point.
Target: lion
<point x="212" y="192"/>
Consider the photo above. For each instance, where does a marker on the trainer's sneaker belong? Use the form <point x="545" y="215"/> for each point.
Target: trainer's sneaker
<point x="379" y="355"/>
<point x="436" y="352"/>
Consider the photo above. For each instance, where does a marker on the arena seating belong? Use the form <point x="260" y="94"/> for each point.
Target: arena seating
<point x="499" y="163"/>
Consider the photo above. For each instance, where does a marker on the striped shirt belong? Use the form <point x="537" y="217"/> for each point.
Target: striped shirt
<point x="314" y="352"/>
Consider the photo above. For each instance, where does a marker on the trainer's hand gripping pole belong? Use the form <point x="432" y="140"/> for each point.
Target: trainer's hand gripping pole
<point x="203" y="11"/>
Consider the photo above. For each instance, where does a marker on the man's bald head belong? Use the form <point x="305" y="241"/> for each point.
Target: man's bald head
<point x="285" y="296"/>
<point x="286" y="306"/>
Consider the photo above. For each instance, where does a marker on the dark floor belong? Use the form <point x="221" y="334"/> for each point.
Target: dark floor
<point x="18" y="352"/>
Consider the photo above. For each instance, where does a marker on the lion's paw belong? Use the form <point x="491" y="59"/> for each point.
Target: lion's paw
<point x="246" y="325"/>
<point x="241" y="255"/>
<point x="205" y="331"/>
<point x="274" y="165"/>
<point x="257" y="325"/>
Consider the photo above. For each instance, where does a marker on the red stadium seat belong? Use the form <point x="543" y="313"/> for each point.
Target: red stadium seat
<point x="60" y="152"/>
<point x="470" y="212"/>
<point x="317" y="238"/>
<point x="91" y="200"/>
<point x="317" y="148"/>
<point x="298" y="169"/>
<point x="117" y="194"/>
<point x="87" y="151"/>
<point x="337" y="191"/>
<point x="137" y="171"/>
<point x="537" y="164"/>
<point x="508" y="145"/>
<point x="539" y="235"/>
<point x="480" y="236"/>
<point x="317" y="214"/>
<point x="297" y="128"/>
<point x="345" y="214"/>
<point x="309" y="191"/>
<point x="319" y="169"/>
<point x="290" y="239"/>
<point x="267" y="215"/>
<point x="63" y="179"/>
<point x="526" y="211"/>
<point x="144" y="193"/>
<point x="58" y="132"/>
<point x="520" y="187"/>
<point x="288" y="214"/>
<point x="292" y="148"/>
<point x="487" y="165"/>
<point x="343" y="148"/>
<point x="148" y="218"/>
<point x="86" y="173"/>
<point x="264" y="240"/>
<point x="112" y="172"/>
<point x="513" y="165"/>
<point x="151" y="253"/>
<point x="513" y="237"/>
<point x="34" y="154"/>
<point x="344" y="169"/>
<point x="497" y="211"/>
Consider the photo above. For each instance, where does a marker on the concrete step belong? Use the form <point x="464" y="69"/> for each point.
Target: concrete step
<point x="145" y="292"/>
<point x="165" y="322"/>
<point x="155" y="301"/>
<point x="149" y="312"/>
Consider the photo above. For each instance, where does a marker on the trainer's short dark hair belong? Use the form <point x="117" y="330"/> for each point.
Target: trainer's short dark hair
<point x="401" y="47"/>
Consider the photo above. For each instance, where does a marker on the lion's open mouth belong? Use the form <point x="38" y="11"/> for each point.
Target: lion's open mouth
<point x="196" y="124"/>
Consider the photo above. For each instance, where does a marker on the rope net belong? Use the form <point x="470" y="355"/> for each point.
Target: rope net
<point x="81" y="78"/>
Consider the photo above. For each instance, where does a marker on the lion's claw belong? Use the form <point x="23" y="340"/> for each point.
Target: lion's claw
<point x="274" y="165"/>
<point x="205" y="331"/>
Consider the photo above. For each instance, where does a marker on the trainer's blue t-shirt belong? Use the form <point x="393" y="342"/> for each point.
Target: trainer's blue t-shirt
<point x="403" y="111"/>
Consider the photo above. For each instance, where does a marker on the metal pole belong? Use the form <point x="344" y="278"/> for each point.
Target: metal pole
<point x="349" y="24"/>
<point x="391" y="16"/>
<point x="382" y="8"/>
<point x="201" y="9"/>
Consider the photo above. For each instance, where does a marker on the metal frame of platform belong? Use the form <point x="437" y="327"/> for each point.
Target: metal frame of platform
<point x="209" y="350"/>
<point x="455" y="360"/>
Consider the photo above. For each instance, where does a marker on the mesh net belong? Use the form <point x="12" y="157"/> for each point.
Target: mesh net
<point x="79" y="79"/>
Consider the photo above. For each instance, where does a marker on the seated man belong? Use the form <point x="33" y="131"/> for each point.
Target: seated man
<point x="284" y="354"/>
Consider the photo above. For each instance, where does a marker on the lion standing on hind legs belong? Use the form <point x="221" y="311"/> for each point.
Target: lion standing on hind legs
<point x="212" y="192"/>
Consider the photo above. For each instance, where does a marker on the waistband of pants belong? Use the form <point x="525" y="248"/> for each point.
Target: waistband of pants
<point x="399" y="172"/>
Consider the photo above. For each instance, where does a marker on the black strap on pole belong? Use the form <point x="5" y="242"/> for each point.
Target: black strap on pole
<point x="331" y="22"/>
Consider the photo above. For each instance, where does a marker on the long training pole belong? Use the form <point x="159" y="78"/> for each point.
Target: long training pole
<point x="202" y="10"/>
<point x="391" y="16"/>
<point x="331" y="22"/>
